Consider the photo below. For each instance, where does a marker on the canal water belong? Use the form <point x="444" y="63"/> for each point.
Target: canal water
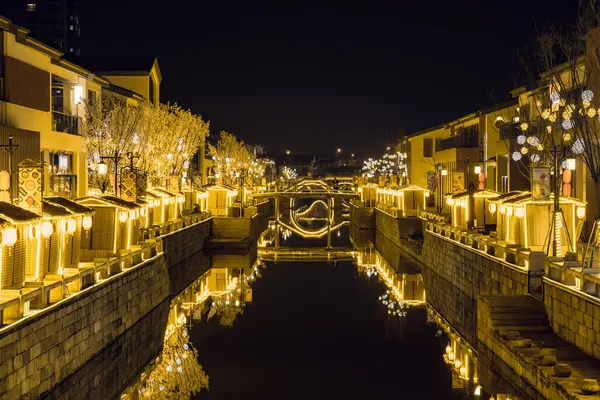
<point x="297" y="329"/>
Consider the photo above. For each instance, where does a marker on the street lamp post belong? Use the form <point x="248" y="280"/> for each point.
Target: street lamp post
<point x="103" y="168"/>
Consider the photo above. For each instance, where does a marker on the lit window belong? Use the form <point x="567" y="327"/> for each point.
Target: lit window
<point x="71" y="49"/>
<point x="70" y="27"/>
<point x="30" y="7"/>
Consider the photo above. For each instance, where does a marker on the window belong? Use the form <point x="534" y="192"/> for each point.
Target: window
<point x="71" y="50"/>
<point x="31" y="7"/>
<point x="70" y="27"/>
<point x="427" y="147"/>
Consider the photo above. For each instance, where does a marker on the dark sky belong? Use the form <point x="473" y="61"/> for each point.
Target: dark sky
<point x="312" y="78"/>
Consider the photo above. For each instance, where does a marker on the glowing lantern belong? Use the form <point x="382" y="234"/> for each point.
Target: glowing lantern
<point x="444" y="172"/>
<point x="143" y="212"/>
<point x="448" y="349"/>
<point x="180" y="200"/>
<point x="502" y="208"/>
<point x="9" y="236"/>
<point x="427" y="194"/>
<point x="86" y="222"/>
<point x="47" y="229"/>
<point x="4" y="180"/>
<point x="580" y="212"/>
<point x="70" y="227"/>
<point x="509" y="211"/>
<point x="123" y="216"/>
<point x="477" y="169"/>
<point x="156" y="202"/>
<point x="519" y="212"/>
<point x="492" y="208"/>
<point x="132" y="214"/>
<point x="102" y="168"/>
<point x="450" y="201"/>
<point x="570" y="164"/>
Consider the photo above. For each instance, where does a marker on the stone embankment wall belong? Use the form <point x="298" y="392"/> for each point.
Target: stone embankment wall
<point x="107" y="374"/>
<point x="455" y="275"/>
<point x="363" y="217"/>
<point x="574" y="316"/>
<point x="40" y="351"/>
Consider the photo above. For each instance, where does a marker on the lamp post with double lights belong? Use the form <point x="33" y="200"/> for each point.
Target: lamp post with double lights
<point x="103" y="168"/>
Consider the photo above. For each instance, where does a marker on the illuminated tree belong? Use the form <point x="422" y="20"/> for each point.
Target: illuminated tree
<point x="288" y="175"/>
<point x="563" y="109"/>
<point x="109" y="129"/>
<point x="232" y="158"/>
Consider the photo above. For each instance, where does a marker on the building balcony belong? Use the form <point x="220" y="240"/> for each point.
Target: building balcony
<point x="64" y="185"/>
<point x="65" y="123"/>
<point x="458" y="141"/>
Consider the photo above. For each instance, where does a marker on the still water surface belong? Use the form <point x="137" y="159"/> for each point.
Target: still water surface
<point x="306" y="330"/>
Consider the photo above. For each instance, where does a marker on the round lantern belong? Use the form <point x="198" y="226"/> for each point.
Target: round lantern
<point x="70" y="226"/>
<point x="492" y="208"/>
<point x="509" y="211"/>
<point x="580" y="212"/>
<point x="143" y="212"/>
<point x="502" y="208"/>
<point x="9" y="236"/>
<point x="450" y="201"/>
<point x="123" y="216"/>
<point x="156" y="202"/>
<point x="86" y="222"/>
<point x="519" y="212"/>
<point x="566" y="189"/>
<point x="47" y="229"/>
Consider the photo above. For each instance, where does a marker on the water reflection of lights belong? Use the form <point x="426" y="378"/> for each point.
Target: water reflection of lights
<point x="176" y="373"/>
<point x="459" y="355"/>
<point x="394" y="306"/>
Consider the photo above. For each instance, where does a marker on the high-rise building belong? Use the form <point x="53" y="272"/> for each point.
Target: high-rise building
<point x="57" y="23"/>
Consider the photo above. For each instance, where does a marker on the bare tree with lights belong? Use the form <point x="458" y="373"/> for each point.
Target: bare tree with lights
<point x="566" y="109"/>
<point x="232" y="158"/>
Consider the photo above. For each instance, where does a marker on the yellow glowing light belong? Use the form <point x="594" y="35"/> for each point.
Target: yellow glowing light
<point x="123" y="216"/>
<point x="492" y="208"/>
<point x="581" y="212"/>
<point x="70" y="226"/>
<point x="519" y="212"/>
<point x="450" y="201"/>
<point x="156" y="202"/>
<point x="509" y="211"/>
<point x="502" y="208"/>
<point x="9" y="236"/>
<point x="132" y="214"/>
<point x="143" y="212"/>
<point x="47" y="229"/>
<point x="477" y="169"/>
<point x="570" y="164"/>
<point x="444" y="172"/>
<point x="566" y="137"/>
<point x="86" y="222"/>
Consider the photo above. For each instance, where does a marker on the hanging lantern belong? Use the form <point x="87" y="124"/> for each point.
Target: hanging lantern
<point x="181" y="199"/>
<point x="566" y="176"/>
<point x="580" y="212"/>
<point x="519" y="212"/>
<point x="143" y="212"/>
<point x="477" y="169"/>
<point x="102" y="168"/>
<point x="509" y="211"/>
<point x="450" y="201"/>
<point x="47" y="229"/>
<point x="71" y="225"/>
<point x="156" y="202"/>
<point x="492" y="207"/>
<point x="9" y="236"/>
<point x="123" y="216"/>
<point x="86" y="222"/>
<point x="132" y="214"/>
<point x="502" y="208"/>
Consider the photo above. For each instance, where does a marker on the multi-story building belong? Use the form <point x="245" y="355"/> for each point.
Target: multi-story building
<point x="42" y="98"/>
<point x="56" y="23"/>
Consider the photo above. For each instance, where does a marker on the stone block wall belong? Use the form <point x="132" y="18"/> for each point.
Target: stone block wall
<point x="574" y="316"/>
<point x="186" y="242"/>
<point x="39" y="352"/>
<point x="110" y="372"/>
<point x="473" y="272"/>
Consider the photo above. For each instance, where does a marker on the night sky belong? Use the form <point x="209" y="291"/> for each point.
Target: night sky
<point x="313" y="78"/>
